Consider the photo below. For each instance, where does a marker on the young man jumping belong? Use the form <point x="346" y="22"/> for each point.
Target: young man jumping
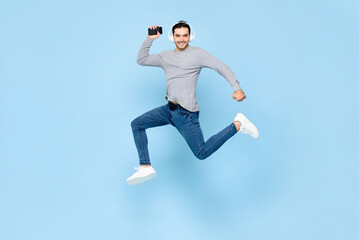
<point x="182" y="67"/>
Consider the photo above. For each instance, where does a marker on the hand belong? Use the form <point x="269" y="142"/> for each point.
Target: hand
<point x="239" y="95"/>
<point x="154" y="36"/>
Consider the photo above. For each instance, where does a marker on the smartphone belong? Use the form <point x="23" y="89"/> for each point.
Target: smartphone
<point x="154" y="31"/>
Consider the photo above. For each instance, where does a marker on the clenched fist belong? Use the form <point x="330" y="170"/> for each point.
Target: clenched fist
<point x="239" y="95"/>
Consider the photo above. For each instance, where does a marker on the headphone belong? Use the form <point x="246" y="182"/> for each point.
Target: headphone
<point x="191" y="36"/>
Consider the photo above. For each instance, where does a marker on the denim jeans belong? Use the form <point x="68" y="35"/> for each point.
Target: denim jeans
<point x="187" y="124"/>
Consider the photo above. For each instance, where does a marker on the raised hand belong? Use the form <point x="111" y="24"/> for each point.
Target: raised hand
<point x="154" y="36"/>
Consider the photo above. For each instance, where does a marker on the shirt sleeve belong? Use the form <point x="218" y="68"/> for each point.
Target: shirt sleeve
<point x="146" y="59"/>
<point x="208" y="61"/>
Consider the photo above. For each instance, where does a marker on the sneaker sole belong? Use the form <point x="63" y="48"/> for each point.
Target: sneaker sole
<point x="139" y="180"/>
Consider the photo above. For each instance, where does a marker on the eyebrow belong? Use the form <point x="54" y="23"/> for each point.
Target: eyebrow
<point x="177" y="35"/>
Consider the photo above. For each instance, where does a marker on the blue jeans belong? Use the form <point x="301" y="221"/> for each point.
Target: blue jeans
<point x="186" y="123"/>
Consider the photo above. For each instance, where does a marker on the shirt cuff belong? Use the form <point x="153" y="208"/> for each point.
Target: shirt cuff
<point x="236" y="86"/>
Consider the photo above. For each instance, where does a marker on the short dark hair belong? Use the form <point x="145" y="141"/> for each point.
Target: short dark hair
<point x="181" y="24"/>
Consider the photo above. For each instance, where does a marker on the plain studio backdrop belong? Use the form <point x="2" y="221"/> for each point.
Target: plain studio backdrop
<point x="70" y="87"/>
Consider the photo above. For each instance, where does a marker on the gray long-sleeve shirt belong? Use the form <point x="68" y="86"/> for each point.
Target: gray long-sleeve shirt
<point x="182" y="70"/>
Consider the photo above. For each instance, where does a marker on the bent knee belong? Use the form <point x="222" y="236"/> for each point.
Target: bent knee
<point x="201" y="155"/>
<point x="134" y="123"/>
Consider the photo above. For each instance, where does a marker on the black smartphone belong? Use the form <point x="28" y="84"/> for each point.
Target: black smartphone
<point x="154" y="31"/>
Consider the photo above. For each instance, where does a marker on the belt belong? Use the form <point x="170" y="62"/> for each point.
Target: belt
<point x="174" y="106"/>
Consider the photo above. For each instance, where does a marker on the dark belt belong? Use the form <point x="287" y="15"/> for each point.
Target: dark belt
<point x="174" y="106"/>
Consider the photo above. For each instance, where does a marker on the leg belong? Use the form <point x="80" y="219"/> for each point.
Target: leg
<point x="157" y="117"/>
<point x="191" y="131"/>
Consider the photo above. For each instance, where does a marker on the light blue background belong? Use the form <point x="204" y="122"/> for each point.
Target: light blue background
<point x="70" y="87"/>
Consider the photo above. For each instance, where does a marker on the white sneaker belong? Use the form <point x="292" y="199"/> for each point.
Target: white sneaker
<point x="143" y="174"/>
<point x="246" y="126"/>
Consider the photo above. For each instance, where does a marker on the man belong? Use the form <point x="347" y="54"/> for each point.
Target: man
<point x="182" y="67"/>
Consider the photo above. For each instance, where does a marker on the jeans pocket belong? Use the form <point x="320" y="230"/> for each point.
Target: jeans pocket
<point x="183" y="111"/>
<point x="195" y="117"/>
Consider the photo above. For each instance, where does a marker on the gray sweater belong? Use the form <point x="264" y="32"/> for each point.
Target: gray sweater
<point x="182" y="70"/>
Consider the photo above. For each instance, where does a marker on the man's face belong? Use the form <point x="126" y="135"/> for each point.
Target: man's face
<point x="181" y="37"/>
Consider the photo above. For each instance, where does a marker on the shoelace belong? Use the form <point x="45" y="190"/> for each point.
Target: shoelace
<point x="244" y="130"/>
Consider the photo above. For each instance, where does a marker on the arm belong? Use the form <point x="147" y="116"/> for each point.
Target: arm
<point x="209" y="61"/>
<point x="146" y="59"/>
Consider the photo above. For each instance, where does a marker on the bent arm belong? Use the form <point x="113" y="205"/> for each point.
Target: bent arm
<point x="146" y="59"/>
<point x="209" y="61"/>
